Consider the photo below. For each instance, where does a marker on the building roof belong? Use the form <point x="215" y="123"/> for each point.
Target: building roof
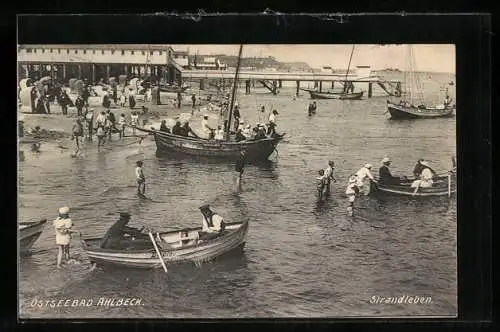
<point x="181" y="62"/>
<point x="145" y="47"/>
<point x="181" y="52"/>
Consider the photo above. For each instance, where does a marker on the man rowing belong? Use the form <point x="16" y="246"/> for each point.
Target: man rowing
<point x="117" y="232"/>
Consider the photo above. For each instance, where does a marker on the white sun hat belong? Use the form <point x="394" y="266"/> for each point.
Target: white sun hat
<point x="385" y="160"/>
<point x="64" y="210"/>
<point x="368" y="165"/>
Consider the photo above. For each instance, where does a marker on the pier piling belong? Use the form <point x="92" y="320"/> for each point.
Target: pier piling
<point x="369" y="90"/>
<point x="298" y="88"/>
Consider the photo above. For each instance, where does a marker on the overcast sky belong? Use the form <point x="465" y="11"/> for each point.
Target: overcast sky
<point x="435" y="58"/>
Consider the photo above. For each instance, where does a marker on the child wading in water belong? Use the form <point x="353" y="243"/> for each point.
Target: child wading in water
<point x="122" y="122"/>
<point x="63" y="225"/>
<point x="141" y="179"/>
<point x="351" y="191"/>
<point x="100" y="135"/>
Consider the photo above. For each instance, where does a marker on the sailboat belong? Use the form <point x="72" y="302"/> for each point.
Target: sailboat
<point x="339" y="95"/>
<point x="255" y="149"/>
<point x="412" y="105"/>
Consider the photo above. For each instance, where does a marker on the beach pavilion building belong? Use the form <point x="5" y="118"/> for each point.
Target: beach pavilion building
<point x="98" y="62"/>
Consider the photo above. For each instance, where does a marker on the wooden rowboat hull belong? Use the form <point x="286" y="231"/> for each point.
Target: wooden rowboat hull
<point x="29" y="232"/>
<point x="257" y="150"/>
<point x="342" y="96"/>
<point x="401" y="112"/>
<point x="139" y="252"/>
<point x="439" y="188"/>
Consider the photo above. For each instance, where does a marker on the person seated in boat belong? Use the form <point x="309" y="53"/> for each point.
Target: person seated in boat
<point x="447" y="101"/>
<point x="261" y="131"/>
<point x="239" y="136"/>
<point x="385" y="176"/>
<point x="212" y="224"/>
<point x="241" y="125"/>
<point x="163" y="126"/>
<point x="271" y="130"/>
<point x="247" y="131"/>
<point x="186" y="130"/>
<point x="177" y="129"/>
<point x="219" y="134"/>
<point x="419" y="167"/>
<point x="426" y="177"/>
<point x="117" y="232"/>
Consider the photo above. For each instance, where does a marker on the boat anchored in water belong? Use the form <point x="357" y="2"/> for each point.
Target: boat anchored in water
<point x="412" y="105"/>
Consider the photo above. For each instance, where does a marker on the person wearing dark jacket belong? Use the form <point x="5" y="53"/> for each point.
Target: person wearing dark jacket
<point x="177" y="129"/>
<point x="240" y="168"/>
<point x="186" y="130"/>
<point x="385" y="176"/>
<point x="163" y="126"/>
<point x="116" y="232"/>
<point x="64" y="101"/>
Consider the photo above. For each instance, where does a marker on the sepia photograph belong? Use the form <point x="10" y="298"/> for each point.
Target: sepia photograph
<point x="219" y="181"/>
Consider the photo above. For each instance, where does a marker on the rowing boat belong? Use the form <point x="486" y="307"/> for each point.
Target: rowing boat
<point x="176" y="247"/>
<point x="29" y="232"/>
<point x="442" y="186"/>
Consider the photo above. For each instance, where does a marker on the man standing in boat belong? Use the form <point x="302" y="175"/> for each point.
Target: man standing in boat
<point x="205" y="128"/>
<point x="272" y="117"/>
<point x="141" y="179"/>
<point x="212" y="223"/>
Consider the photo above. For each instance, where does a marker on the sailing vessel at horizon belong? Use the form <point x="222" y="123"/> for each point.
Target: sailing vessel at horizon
<point x="412" y="104"/>
<point x="344" y="94"/>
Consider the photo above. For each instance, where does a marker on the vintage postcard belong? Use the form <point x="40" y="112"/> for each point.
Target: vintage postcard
<point x="237" y="181"/>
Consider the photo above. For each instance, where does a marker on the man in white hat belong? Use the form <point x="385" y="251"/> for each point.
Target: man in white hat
<point x="351" y="191"/>
<point x="63" y="225"/>
<point x="385" y="176"/>
<point x="364" y="176"/>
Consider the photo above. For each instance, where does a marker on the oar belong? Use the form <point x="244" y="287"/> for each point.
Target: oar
<point x="158" y="251"/>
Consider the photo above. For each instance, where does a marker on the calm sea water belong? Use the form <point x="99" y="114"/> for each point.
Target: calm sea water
<point x="301" y="259"/>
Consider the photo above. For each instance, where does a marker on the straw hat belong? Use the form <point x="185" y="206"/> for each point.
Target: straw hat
<point x="386" y="160"/>
<point x="368" y="166"/>
<point x="64" y="210"/>
<point x="352" y="179"/>
<point x="424" y="163"/>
